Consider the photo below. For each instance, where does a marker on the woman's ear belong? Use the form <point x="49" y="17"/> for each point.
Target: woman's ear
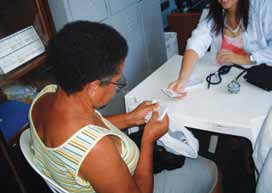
<point x="92" y="87"/>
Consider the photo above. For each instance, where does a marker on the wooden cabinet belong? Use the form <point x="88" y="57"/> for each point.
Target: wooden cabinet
<point x="16" y="15"/>
<point x="183" y="24"/>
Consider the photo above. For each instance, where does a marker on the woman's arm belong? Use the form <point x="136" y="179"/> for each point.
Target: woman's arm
<point x="143" y="174"/>
<point x="121" y="121"/>
<point x="226" y="56"/>
<point x="196" y="47"/>
<point x="263" y="17"/>
<point x="104" y="168"/>
<point x="189" y="61"/>
<point x="153" y="130"/>
<point x="133" y="118"/>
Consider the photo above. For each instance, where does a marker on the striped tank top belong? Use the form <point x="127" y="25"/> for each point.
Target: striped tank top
<point x="62" y="163"/>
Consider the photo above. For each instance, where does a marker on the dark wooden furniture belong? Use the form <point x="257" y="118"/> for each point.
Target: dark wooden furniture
<point x="16" y="15"/>
<point x="4" y="151"/>
<point x="183" y="24"/>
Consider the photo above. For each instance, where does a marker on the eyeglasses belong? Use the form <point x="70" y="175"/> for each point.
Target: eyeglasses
<point x="120" y="84"/>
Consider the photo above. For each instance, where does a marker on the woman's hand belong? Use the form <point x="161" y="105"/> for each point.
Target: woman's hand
<point x="226" y="56"/>
<point x="178" y="86"/>
<point x="137" y="116"/>
<point x="155" y="128"/>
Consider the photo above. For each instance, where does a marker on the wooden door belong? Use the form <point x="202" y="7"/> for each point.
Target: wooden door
<point x="183" y="24"/>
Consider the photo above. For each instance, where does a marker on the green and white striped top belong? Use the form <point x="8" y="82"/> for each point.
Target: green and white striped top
<point x="62" y="163"/>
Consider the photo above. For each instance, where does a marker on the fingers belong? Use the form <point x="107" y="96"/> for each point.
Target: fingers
<point x="143" y="109"/>
<point x="182" y="95"/>
<point x="155" y="116"/>
<point x="151" y="106"/>
<point x="172" y="85"/>
<point x="181" y="92"/>
<point x="223" y="53"/>
<point x="148" y="105"/>
<point x="218" y="58"/>
<point x="224" y="56"/>
<point x="156" y="128"/>
<point x="176" y="86"/>
<point x="224" y="60"/>
<point x="165" y="119"/>
<point x="147" y="102"/>
<point x="180" y="88"/>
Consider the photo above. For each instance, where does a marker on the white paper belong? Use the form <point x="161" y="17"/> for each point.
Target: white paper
<point x="18" y="48"/>
<point x="162" y="110"/>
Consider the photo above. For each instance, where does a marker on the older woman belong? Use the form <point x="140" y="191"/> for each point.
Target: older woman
<point x="238" y="31"/>
<point x="85" y="152"/>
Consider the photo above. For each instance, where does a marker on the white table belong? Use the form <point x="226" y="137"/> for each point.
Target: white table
<point x="211" y="109"/>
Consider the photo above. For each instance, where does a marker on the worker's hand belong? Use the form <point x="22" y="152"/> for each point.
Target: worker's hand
<point x="226" y="56"/>
<point x="179" y="87"/>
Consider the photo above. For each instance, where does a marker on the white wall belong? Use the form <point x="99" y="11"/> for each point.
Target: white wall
<point x="139" y="21"/>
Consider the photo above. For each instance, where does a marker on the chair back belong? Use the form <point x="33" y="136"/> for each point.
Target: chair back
<point x="25" y="141"/>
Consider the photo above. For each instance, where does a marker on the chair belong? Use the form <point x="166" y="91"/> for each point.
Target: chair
<point x="13" y="118"/>
<point x="26" y="150"/>
<point x="4" y="151"/>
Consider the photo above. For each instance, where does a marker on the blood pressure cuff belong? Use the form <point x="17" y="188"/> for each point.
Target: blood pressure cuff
<point x="260" y="76"/>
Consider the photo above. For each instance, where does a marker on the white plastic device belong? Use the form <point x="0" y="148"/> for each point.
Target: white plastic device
<point x="170" y="93"/>
<point x="191" y="83"/>
<point x="162" y="110"/>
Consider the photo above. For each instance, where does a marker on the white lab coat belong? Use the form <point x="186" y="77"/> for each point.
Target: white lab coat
<point x="257" y="40"/>
<point x="264" y="184"/>
<point x="262" y="155"/>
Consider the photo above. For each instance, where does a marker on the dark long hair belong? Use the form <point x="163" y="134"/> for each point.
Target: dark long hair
<point x="217" y="14"/>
